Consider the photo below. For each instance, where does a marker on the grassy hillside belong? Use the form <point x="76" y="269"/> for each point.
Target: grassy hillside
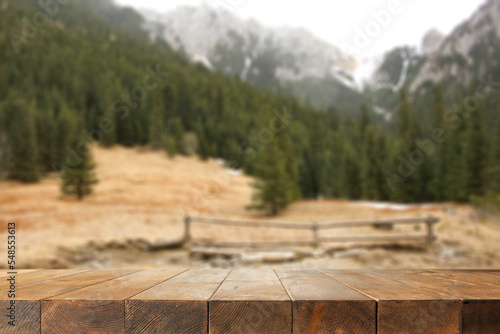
<point x="79" y="71"/>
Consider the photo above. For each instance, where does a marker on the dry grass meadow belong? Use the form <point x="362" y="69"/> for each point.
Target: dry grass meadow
<point x="143" y="195"/>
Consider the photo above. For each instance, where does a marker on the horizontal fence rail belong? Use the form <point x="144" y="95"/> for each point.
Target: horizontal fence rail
<point x="315" y="229"/>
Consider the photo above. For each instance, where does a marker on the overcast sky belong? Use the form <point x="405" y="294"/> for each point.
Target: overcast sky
<point x="340" y="22"/>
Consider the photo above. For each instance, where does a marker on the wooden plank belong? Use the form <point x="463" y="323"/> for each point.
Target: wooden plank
<point x="431" y="220"/>
<point x="49" y="288"/>
<point x="250" y="301"/>
<point x="28" y="304"/>
<point x="26" y="317"/>
<point x="467" y="276"/>
<point x="6" y="272"/>
<point x="179" y="305"/>
<point x="485" y="271"/>
<point x="26" y="278"/>
<point x="292" y="225"/>
<point x="99" y="308"/>
<point x="371" y="238"/>
<point x="481" y="316"/>
<point x="27" y="312"/>
<point x="444" y="284"/>
<point x="252" y="244"/>
<point x="323" y="305"/>
<point x="481" y="301"/>
<point x="405" y="308"/>
<point x="250" y="223"/>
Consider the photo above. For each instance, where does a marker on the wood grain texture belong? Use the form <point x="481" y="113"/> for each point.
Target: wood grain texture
<point x="178" y="305"/>
<point x="323" y="305"/>
<point x="60" y="285"/>
<point x="447" y="286"/>
<point x="28" y="277"/>
<point x="159" y="316"/>
<point x="4" y="272"/>
<point x="254" y="301"/>
<point x="405" y="308"/>
<point x="120" y="288"/>
<point x="479" y="293"/>
<point x="481" y="316"/>
<point x="82" y="316"/>
<point x="419" y="316"/>
<point x="194" y="284"/>
<point x="28" y="296"/>
<point x="98" y="308"/>
<point x="27" y="317"/>
<point x="250" y="301"/>
<point x="467" y="276"/>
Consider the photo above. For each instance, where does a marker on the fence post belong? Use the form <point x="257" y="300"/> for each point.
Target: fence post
<point x="430" y="220"/>
<point x="315" y="240"/>
<point x="187" y="231"/>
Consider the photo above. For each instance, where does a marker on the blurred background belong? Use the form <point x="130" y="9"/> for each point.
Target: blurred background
<point x="120" y="119"/>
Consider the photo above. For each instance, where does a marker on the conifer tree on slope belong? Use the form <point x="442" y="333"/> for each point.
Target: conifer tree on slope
<point x="277" y="184"/>
<point x="78" y="179"/>
<point x="407" y="133"/>
<point x="21" y="137"/>
<point x="156" y="125"/>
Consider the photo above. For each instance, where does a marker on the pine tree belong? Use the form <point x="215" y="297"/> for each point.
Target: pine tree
<point x="352" y="173"/>
<point x="364" y="121"/>
<point x="407" y="127"/>
<point x="156" y="125"/>
<point x="78" y="180"/>
<point x="477" y="156"/>
<point x="371" y="167"/>
<point x="108" y="127"/>
<point x="456" y="176"/>
<point x="407" y="133"/>
<point x="494" y="170"/>
<point x="438" y="161"/>
<point x="65" y="126"/>
<point x="21" y="138"/>
<point x="277" y="184"/>
<point x="314" y="159"/>
<point x="175" y="137"/>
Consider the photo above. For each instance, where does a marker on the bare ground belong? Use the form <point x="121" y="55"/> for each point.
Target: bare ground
<point x="142" y="197"/>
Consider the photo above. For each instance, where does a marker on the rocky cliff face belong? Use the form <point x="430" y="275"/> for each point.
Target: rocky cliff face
<point x="431" y="41"/>
<point x="469" y="52"/>
<point x="244" y="47"/>
<point x="291" y="60"/>
<point x="294" y="61"/>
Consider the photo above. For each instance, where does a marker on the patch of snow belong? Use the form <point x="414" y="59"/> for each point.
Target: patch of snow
<point x="383" y="112"/>
<point x="202" y="60"/>
<point x="248" y="65"/>
<point x="393" y="206"/>
<point x="235" y="171"/>
<point x="231" y="171"/>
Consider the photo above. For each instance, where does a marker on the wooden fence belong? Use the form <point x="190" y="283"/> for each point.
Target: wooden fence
<point x="315" y="229"/>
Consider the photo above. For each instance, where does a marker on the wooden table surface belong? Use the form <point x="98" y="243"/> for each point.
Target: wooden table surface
<point x="252" y="301"/>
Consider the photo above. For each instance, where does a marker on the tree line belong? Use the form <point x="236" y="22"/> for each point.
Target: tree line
<point x="87" y="78"/>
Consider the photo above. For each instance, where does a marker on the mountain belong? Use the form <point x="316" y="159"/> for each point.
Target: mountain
<point x="290" y="60"/>
<point x="431" y="41"/>
<point x="470" y="52"/>
<point x="396" y="70"/>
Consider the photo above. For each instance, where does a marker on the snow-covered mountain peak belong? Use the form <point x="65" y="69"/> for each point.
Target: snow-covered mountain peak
<point x="244" y="47"/>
